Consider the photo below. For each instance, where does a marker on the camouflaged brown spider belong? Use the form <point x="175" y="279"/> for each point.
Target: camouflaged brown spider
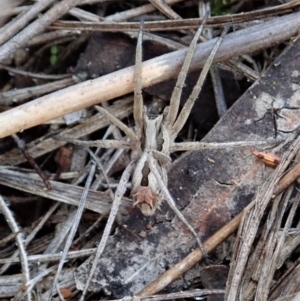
<point x="153" y="140"/>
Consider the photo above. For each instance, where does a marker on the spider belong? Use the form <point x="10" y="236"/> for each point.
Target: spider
<point x="153" y="140"/>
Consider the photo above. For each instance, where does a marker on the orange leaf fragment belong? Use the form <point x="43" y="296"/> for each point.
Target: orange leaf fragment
<point x="66" y="292"/>
<point x="269" y="159"/>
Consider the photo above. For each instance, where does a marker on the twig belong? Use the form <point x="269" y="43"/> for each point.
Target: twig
<point x="19" y="240"/>
<point x="156" y="70"/>
<point x="205" y="8"/>
<point x="47" y="144"/>
<point x="50" y="257"/>
<point x="35" y="75"/>
<point x="218" y="90"/>
<point x="217" y="21"/>
<point x="21" y="146"/>
<point x="97" y="201"/>
<point x="137" y="11"/>
<point x="179" y="295"/>
<point x="30" y="237"/>
<point x="16" y="96"/>
<point x="8" y="239"/>
<point x="50" y="37"/>
<point x="216" y="145"/>
<point x="290" y="177"/>
<point x="165" y="9"/>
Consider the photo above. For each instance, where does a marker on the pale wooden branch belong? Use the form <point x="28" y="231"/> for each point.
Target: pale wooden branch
<point x="118" y="83"/>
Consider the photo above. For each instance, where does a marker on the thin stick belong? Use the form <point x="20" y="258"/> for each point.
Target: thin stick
<point x="165" y="9"/>
<point x="21" y="145"/>
<point x="19" y="240"/>
<point x="50" y="257"/>
<point x="137" y="11"/>
<point x="178" y="295"/>
<point x="15" y="96"/>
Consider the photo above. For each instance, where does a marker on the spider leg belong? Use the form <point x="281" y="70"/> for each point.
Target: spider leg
<point x="185" y="112"/>
<point x="171" y="202"/>
<point x="111" y="218"/>
<point x="177" y="91"/>
<point x="138" y="105"/>
<point x="122" y="126"/>
<point x="190" y="146"/>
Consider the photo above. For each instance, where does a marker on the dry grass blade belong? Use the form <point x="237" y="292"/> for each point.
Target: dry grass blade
<point x="176" y="24"/>
<point x="73" y="230"/>
<point x="97" y="201"/>
<point x="111" y="218"/>
<point x="165" y="9"/>
<point x="20" y="95"/>
<point x="20" y="242"/>
<point x="50" y="257"/>
<point x="197" y="293"/>
<point x="30" y="237"/>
